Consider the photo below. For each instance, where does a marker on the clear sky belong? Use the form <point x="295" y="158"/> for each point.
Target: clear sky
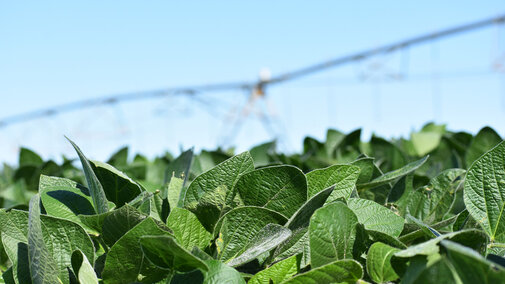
<point x="55" y="52"/>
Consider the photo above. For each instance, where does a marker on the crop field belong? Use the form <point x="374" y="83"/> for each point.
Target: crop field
<point x="423" y="209"/>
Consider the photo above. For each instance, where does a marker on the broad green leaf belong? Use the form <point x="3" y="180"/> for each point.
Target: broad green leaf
<point x="378" y="263"/>
<point x="28" y="157"/>
<point x="56" y="233"/>
<point x="376" y="217"/>
<point x="471" y="266"/>
<point x="95" y="188"/>
<point x="180" y="166"/>
<point x="367" y="168"/>
<point x="95" y="222"/>
<point x="301" y="218"/>
<point x="125" y="260"/>
<point x="294" y="245"/>
<point x="427" y="269"/>
<point x="14" y="229"/>
<point x="118" y="187"/>
<point x="265" y="240"/>
<point x="176" y="176"/>
<point x="261" y="153"/>
<point x="239" y="226"/>
<point x="427" y="230"/>
<point x="471" y="238"/>
<point x="152" y="205"/>
<point x="344" y="178"/>
<point x="484" y="192"/>
<point x="340" y="271"/>
<point x="165" y="252"/>
<point x="486" y="139"/>
<point x="83" y="270"/>
<point x="211" y="205"/>
<point x="399" y="194"/>
<point x="225" y="174"/>
<point x="376" y="236"/>
<point x="423" y="230"/>
<point x="174" y="189"/>
<point x="332" y="233"/>
<point x="425" y="142"/>
<point x="43" y="267"/>
<point x="393" y="175"/>
<point x="65" y="199"/>
<point x="222" y="176"/>
<point x="333" y="139"/>
<point x="188" y="231"/>
<point x="120" y="158"/>
<point x="279" y="188"/>
<point x="119" y="222"/>
<point x="387" y="155"/>
<point x="282" y="270"/>
<point x="221" y="273"/>
<point x="438" y="197"/>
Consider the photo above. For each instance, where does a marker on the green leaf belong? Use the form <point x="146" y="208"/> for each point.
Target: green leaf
<point x="344" y="178"/>
<point x="387" y="155"/>
<point x="282" y="270"/>
<point x="125" y="260"/>
<point x="298" y="243"/>
<point x="301" y="218"/>
<point x="120" y="158"/>
<point x="266" y="239"/>
<point x="95" y="222"/>
<point x="239" y="226"/>
<point x="367" y="168"/>
<point x="433" y="202"/>
<point x="486" y="139"/>
<point x="471" y="266"/>
<point x="95" y="188"/>
<point x="28" y="157"/>
<point x="376" y="217"/>
<point x="210" y="206"/>
<point x="421" y="230"/>
<point x="43" y="268"/>
<point x="470" y="238"/>
<point x="332" y="233"/>
<point x="393" y="175"/>
<point x="340" y="271"/>
<point x="427" y="230"/>
<point x="165" y="252"/>
<point x="378" y="263"/>
<point x="174" y="189"/>
<point x="431" y="269"/>
<point x="261" y="153"/>
<point x="119" y="222"/>
<point x="279" y="188"/>
<point x="118" y="187"/>
<point x="221" y="273"/>
<point x="56" y="233"/>
<point x="177" y="173"/>
<point x="64" y="198"/>
<point x="425" y="142"/>
<point x="83" y="270"/>
<point x="376" y="236"/>
<point x="188" y="231"/>
<point x="222" y="176"/>
<point x="14" y="229"/>
<point x="484" y="192"/>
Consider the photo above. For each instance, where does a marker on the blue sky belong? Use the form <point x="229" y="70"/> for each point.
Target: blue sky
<point x="55" y="52"/>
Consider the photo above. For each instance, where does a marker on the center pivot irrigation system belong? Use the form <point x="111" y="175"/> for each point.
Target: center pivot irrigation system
<point x="256" y="89"/>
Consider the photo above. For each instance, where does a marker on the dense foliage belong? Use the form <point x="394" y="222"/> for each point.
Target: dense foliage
<point x="427" y="209"/>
